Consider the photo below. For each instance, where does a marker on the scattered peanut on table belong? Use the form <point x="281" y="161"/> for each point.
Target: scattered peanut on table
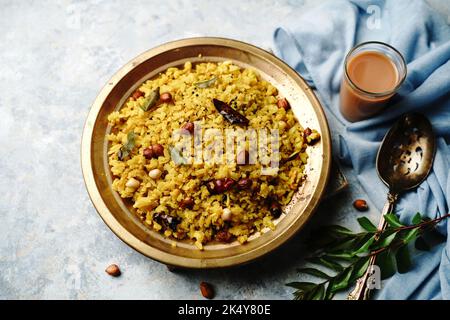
<point x="360" y="205"/>
<point x="113" y="270"/>
<point x="207" y="290"/>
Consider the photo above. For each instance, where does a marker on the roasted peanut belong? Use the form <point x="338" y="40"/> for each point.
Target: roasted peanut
<point x="360" y="205"/>
<point x="165" y="97"/>
<point x="189" y="127"/>
<point x="132" y="183"/>
<point x="283" y="103"/>
<point x="158" y="150"/>
<point x="137" y="94"/>
<point x="207" y="290"/>
<point x="148" y="153"/>
<point x="113" y="270"/>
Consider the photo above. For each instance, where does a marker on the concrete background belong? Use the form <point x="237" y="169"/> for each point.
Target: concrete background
<point x="54" y="59"/>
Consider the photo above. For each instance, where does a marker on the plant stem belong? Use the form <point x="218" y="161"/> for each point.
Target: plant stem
<point x="420" y="225"/>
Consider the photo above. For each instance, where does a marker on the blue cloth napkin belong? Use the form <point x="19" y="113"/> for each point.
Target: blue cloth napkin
<point x="315" y="42"/>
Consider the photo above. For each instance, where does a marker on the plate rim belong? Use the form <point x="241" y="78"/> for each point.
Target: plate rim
<point x="167" y="258"/>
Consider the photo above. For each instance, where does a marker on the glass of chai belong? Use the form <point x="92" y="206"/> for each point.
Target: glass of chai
<point x="373" y="71"/>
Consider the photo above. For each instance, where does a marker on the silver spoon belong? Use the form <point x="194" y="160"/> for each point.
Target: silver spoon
<point x="404" y="160"/>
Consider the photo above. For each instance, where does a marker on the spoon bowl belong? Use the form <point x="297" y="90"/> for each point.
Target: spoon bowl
<point x="406" y="154"/>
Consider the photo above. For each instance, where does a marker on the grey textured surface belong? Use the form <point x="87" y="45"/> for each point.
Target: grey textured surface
<point x="54" y="58"/>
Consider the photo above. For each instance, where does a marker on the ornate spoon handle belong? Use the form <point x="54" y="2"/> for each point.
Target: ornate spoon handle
<point x="361" y="290"/>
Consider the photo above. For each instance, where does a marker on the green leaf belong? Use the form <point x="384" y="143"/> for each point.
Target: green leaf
<point x="341" y="282"/>
<point x="329" y="294"/>
<point x="335" y="231"/>
<point x="131" y="141"/>
<point x="320" y="241"/>
<point x="385" y="240"/>
<point x="417" y="218"/>
<point x="434" y="237"/>
<point x="359" y="268"/>
<point x="330" y="236"/>
<point x="206" y="83"/>
<point x="328" y="263"/>
<point x="365" y="247"/>
<point x="421" y="244"/>
<point x="317" y="293"/>
<point x="302" y="286"/>
<point x="151" y="100"/>
<point x="128" y="146"/>
<point x="367" y="225"/>
<point x="385" y="261"/>
<point x="344" y="244"/>
<point x="403" y="259"/>
<point x="341" y="256"/>
<point x="409" y="235"/>
<point x="314" y="272"/>
<point x="392" y="220"/>
<point x="299" y="295"/>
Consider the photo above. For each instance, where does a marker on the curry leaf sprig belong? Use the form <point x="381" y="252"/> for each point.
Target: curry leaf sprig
<point x="347" y="254"/>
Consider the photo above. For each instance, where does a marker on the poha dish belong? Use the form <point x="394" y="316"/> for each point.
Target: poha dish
<point x="206" y="201"/>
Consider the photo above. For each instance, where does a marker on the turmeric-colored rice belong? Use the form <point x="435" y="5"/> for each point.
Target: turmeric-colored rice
<point x="248" y="210"/>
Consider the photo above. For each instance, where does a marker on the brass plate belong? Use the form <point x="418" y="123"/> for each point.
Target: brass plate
<point x="118" y="214"/>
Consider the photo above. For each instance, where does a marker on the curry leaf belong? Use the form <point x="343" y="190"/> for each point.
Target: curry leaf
<point x="367" y="225"/>
<point x="317" y="294"/>
<point x="342" y="280"/>
<point x="341" y="256"/>
<point x="151" y="100"/>
<point x="359" y="268"/>
<point x="403" y="259"/>
<point x="409" y="235"/>
<point x="421" y="244"/>
<point x="366" y="245"/>
<point x="417" y="218"/>
<point x="302" y="286"/>
<point x="393" y="220"/>
<point x="314" y="272"/>
<point x="342" y="245"/>
<point x="126" y="148"/>
<point x="299" y="295"/>
<point x="338" y="230"/>
<point x="328" y="263"/>
<point x="385" y="240"/>
<point x="206" y="83"/>
<point x="329" y="294"/>
<point x="385" y="261"/>
<point x="390" y="252"/>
